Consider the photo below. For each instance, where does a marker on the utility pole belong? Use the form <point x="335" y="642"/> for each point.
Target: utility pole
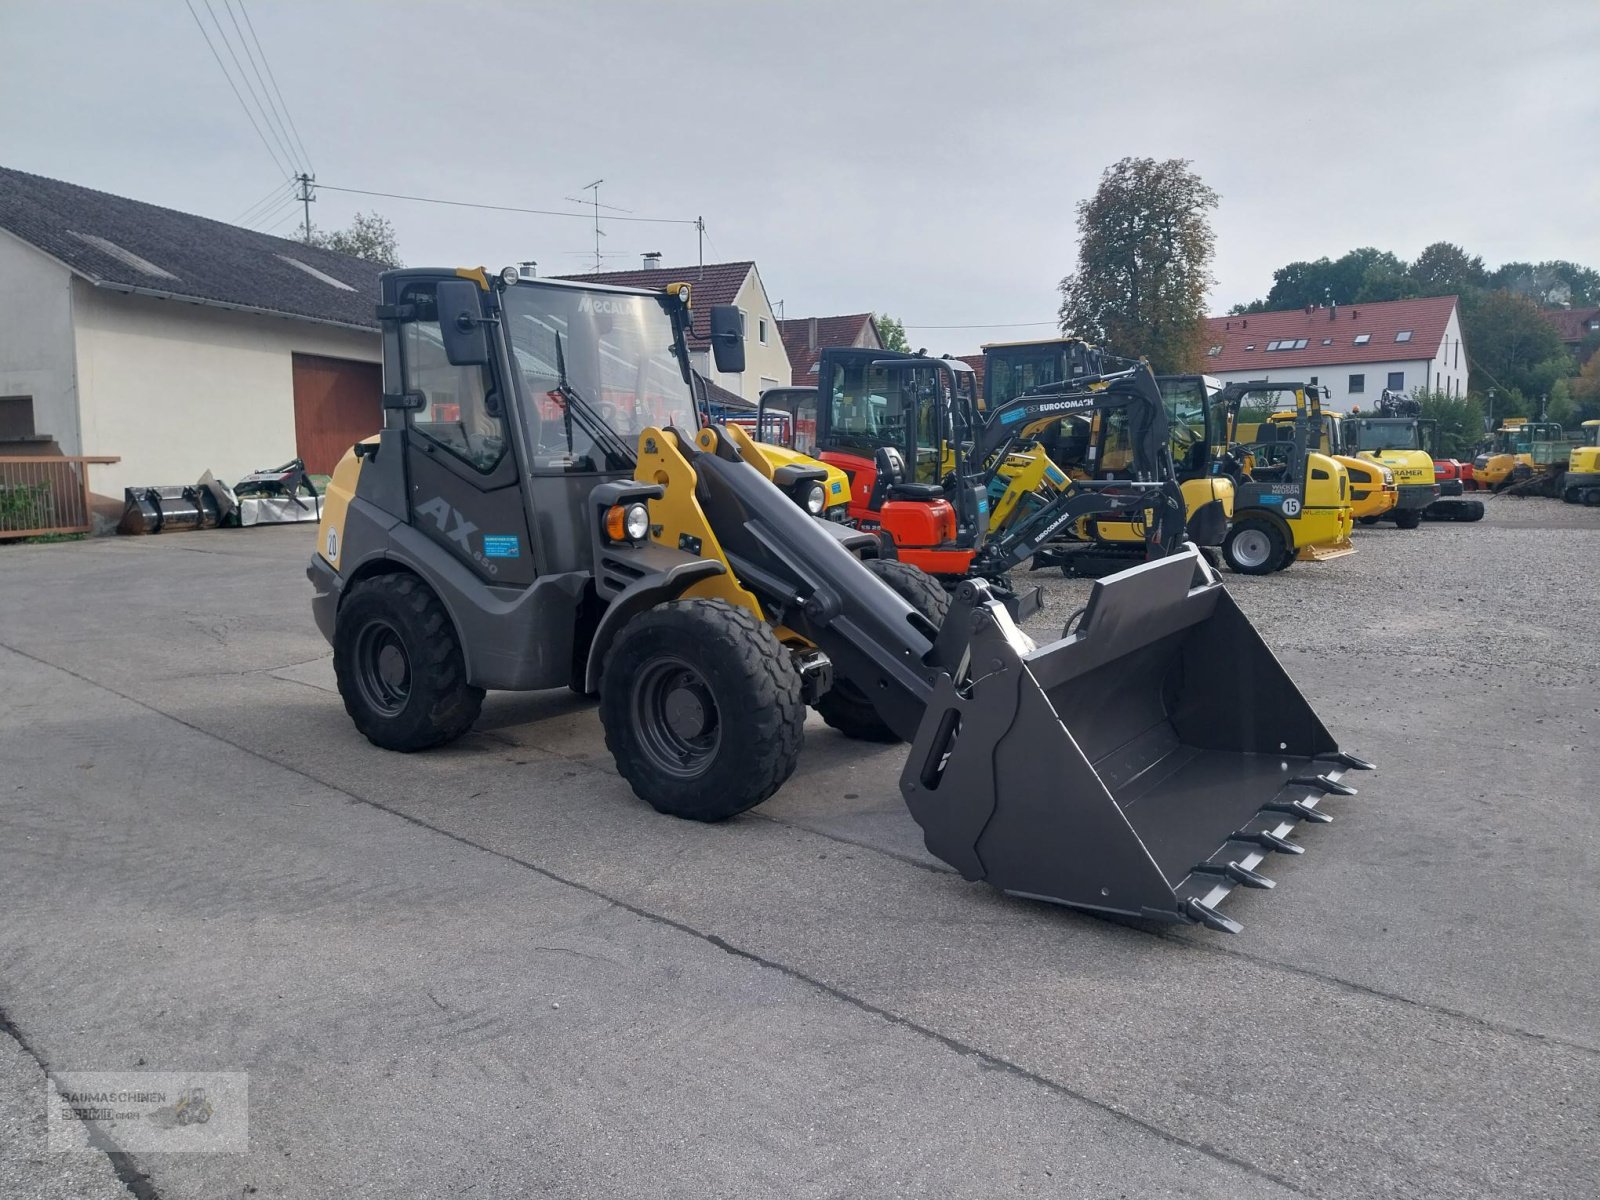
<point x="306" y="196"/>
<point x="700" y="229"/>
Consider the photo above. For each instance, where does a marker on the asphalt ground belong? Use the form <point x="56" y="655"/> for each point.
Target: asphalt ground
<point x="490" y="970"/>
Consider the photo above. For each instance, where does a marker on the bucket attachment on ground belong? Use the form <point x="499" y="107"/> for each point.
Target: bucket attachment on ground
<point x="1145" y="764"/>
<point x="1323" y="551"/>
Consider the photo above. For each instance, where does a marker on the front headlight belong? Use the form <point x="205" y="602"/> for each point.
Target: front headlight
<point x="1388" y="475"/>
<point x="627" y="522"/>
<point x="816" y="499"/>
<point x="636" y="523"/>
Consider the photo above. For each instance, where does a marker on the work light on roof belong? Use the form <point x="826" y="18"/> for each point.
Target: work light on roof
<point x="509" y="275"/>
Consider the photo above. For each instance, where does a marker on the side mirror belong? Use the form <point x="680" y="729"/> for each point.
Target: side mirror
<point x="727" y="338"/>
<point x="461" y="323"/>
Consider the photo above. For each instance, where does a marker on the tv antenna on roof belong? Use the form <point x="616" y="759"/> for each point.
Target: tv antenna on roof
<point x="594" y="202"/>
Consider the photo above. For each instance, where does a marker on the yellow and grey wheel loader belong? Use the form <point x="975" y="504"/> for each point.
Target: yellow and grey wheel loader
<point x="535" y="514"/>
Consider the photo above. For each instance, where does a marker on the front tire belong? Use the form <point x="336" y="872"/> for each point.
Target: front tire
<point x="1254" y="547"/>
<point x="1407" y="518"/>
<point x="1369" y="520"/>
<point x="701" y="708"/>
<point x="399" y="665"/>
<point x="844" y="706"/>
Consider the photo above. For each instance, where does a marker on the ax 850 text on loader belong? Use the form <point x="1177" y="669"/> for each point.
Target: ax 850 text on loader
<point x="536" y="513"/>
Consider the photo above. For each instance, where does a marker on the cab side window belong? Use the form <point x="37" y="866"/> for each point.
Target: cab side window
<point x="456" y="412"/>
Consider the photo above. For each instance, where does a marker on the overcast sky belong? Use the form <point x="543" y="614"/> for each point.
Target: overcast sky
<point x="919" y="159"/>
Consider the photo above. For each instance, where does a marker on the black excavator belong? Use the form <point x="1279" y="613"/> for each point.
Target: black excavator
<point x="540" y="511"/>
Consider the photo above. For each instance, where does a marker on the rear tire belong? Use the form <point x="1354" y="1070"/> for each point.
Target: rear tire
<point x="1407" y="518"/>
<point x="701" y="709"/>
<point x="1290" y="556"/>
<point x="845" y="706"/>
<point x="1369" y="520"/>
<point x="1254" y="547"/>
<point x="399" y="665"/>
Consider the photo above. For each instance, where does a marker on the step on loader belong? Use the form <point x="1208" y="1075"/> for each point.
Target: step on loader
<point x="507" y="531"/>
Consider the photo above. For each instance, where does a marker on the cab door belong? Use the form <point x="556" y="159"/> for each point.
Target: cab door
<point x="461" y="471"/>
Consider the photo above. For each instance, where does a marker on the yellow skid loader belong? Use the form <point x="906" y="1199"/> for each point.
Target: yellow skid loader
<point x="1581" y="483"/>
<point x="507" y="531"/>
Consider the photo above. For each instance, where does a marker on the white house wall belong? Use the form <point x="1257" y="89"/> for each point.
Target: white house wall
<point x="764" y="366"/>
<point x="1337" y="380"/>
<point x="36" y="356"/>
<point x="177" y="389"/>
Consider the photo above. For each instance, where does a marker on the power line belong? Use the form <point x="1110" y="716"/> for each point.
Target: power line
<point x="271" y="106"/>
<point x="995" y="325"/>
<point x="245" y="217"/>
<point x="223" y="68"/>
<point x="277" y="215"/>
<point x="538" y="212"/>
<point x="261" y="108"/>
<point x="260" y="50"/>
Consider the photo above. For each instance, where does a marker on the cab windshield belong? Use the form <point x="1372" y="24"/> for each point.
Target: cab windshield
<point x="1386" y="435"/>
<point x="1009" y="373"/>
<point x="617" y="352"/>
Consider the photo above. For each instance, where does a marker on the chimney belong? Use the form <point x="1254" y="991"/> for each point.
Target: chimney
<point x="1310" y="308"/>
<point x="811" y="333"/>
<point x="528" y="269"/>
<point x="652" y="260"/>
<point x="1333" y="310"/>
<point x="1245" y="324"/>
<point x="1354" y="313"/>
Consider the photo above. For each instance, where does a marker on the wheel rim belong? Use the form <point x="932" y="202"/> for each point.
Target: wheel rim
<point x="676" y="717"/>
<point x="1252" y="548"/>
<point x="383" y="668"/>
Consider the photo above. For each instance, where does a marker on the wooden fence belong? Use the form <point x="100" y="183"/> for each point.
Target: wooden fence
<point x="46" y="494"/>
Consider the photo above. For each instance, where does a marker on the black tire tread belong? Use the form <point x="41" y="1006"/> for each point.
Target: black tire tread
<point x="450" y="703"/>
<point x="844" y="707"/>
<point x="1273" y="561"/>
<point x="773" y="749"/>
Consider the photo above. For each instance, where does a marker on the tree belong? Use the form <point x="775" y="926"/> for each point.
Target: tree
<point x="1514" y="349"/>
<point x="369" y="237"/>
<point x="1363" y="276"/>
<point x="891" y="332"/>
<point x="1145" y="246"/>
<point x="1460" y="421"/>
<point x="1445" y="269"/>
<point x="1586" y="391"/>
<point x="1553" y="282"/>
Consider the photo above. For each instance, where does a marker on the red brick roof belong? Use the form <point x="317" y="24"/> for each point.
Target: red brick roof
<point x="831" y="331"/>
<point x="975" y="361"/>
<point x="1573" y="324"/>
<point x="714" y="283"/>
<point x="1244" y="340"/>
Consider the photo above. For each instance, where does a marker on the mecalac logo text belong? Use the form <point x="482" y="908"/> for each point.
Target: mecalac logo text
<point x="603" y="304"/>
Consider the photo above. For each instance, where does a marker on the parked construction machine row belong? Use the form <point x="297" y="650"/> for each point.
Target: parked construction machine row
<point x="540" y="511"/>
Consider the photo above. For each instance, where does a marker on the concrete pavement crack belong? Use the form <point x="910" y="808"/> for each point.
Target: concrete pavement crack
<point x="123" y="1164"/>
<point x="988" y="1059"/>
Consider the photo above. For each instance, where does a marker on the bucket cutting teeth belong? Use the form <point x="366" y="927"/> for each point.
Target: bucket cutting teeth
<point x="1349" y="761"/>
<point x="1301" y="809"/>
<point x="1238" y="873"/>
<point x="1328" y="786"/>
<point x="1271" y="841"/>
<point x="1203" y="914"/>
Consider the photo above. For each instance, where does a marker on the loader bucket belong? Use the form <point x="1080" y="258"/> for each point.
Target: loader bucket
<point x="1143" y="765"/>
